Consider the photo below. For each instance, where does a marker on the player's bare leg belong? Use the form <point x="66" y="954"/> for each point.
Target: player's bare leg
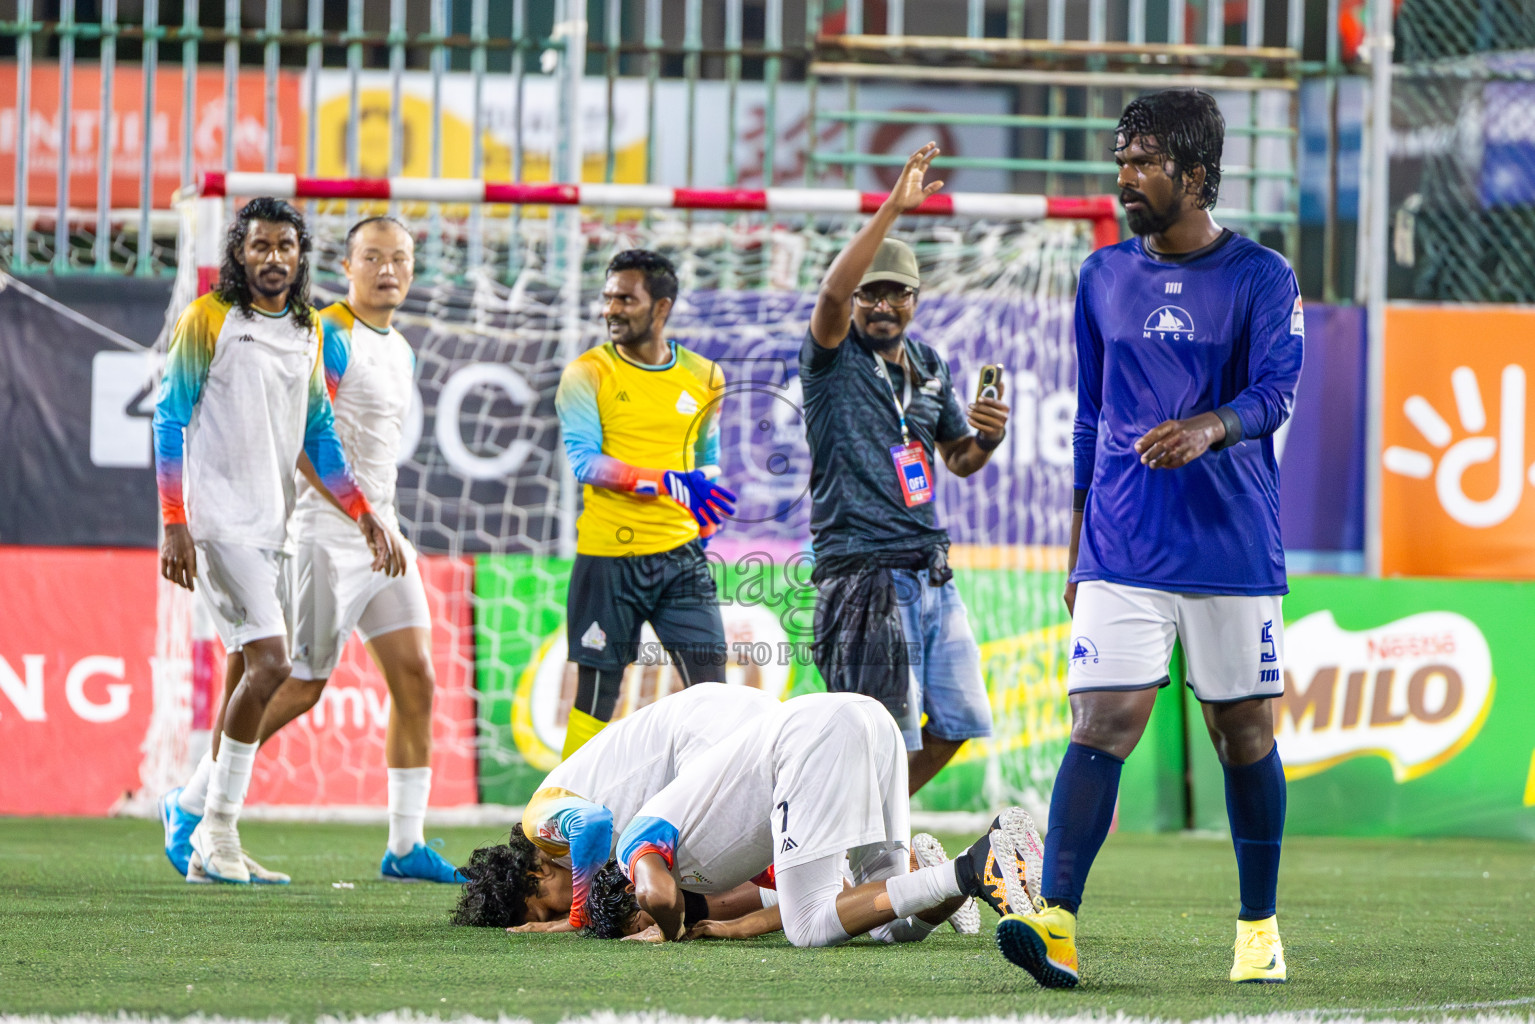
<point x="405" y="658"/>
<point x="922" y="765"/>
<point x="217" y="838"/>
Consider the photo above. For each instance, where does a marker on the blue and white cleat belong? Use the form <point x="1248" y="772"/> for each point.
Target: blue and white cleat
<point x="179" y="825"/>
<point x="421" y="864"/>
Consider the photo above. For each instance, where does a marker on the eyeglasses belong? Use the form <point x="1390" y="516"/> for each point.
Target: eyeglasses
<point x="896" y="300"/>
<point x="377" y="262"/>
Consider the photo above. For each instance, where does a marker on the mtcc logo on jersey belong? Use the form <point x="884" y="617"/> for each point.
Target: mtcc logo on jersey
<point x="1505" y="444"/>
<point x="1169" y="323"/>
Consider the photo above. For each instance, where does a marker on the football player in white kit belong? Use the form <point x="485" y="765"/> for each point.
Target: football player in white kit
<point x="823" y="775"/>
<point x="369" y="374"/>
<point x="540" y="880"/>
<point x="242" y="398"/>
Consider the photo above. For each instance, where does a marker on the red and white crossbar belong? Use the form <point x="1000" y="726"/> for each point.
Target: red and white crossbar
<point x="985" y="205"/>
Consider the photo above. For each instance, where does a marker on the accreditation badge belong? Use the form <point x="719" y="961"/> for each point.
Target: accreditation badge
<point x="916" y="477"/>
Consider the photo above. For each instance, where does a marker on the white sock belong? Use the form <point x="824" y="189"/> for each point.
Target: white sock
<point x="231" y="777"/>
<point x="922" y="889"/>
<point x="408" y="792"/>
<point x="194" y="795"/>
<point x="769" y="897"/>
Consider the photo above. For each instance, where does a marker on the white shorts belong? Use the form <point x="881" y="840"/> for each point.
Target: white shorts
<point x="1122" y="638"/>
<point x="335" y="591"/>
<point x="840" y="787"/>
<point x="246" y="589"/>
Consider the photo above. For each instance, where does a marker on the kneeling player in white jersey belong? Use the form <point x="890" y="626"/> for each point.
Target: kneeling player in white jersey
<point x="369" y="374"/>
<point x="243" y="397"/>
<point x="822" y="776"/>
<point x="541" y="878"/>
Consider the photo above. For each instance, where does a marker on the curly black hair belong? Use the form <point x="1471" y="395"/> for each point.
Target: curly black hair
<point x="1185" y="124"/>
<point x="501" y="878"/>
<point x="611" y="906"/>
<point x="234" y="287"/>
<point x="660" y="275"/>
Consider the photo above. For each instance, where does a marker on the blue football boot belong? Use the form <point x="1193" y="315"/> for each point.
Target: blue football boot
<point x="179" y="825"/>
<point x="421" y="864"/>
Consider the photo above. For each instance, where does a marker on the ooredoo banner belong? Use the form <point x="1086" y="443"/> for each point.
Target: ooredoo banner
<point x="1457" y="479"/>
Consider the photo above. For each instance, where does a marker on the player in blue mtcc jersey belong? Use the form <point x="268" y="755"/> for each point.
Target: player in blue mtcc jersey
<point x="1189" y="348"/>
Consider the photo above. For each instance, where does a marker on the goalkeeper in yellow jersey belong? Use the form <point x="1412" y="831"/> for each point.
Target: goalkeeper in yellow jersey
<point x="640" y="420"/>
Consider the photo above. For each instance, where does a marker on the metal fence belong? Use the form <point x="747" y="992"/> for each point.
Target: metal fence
<point x="677" y="91"/>
<point x="1463" y="151"/>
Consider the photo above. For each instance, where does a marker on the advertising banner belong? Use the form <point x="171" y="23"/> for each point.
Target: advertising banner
<point x="128" y="132"/>
<point x="78" y="672"/>
<point x="1407" y="711"/>
<point x="537" y="107"/>
<point x="526" y="685"/>
<point x="1456" y="484"/>
<point x="77" y="387"/>
<point x="77" y="676"/>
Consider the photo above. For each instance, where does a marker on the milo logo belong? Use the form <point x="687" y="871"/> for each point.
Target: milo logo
<point x="1414" y="692"/>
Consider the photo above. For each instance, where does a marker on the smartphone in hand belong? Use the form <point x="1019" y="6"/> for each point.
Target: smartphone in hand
<point x="991" y="382"/>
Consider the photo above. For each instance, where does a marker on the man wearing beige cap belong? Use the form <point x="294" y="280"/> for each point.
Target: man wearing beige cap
<point x="889" y="622"/>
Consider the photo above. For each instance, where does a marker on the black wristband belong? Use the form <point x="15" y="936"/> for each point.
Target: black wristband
<point x="1233" y="424"/>
<point x="986" y="444"/>
<point x="1079" y="500"/>
<point x="695" y="908"/>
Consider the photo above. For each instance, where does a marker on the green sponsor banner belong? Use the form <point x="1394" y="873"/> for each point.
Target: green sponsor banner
<point x="1019" y="622"/>
<point x="1409" y="710"/>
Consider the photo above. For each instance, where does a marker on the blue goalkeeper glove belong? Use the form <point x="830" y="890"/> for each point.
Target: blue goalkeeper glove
<point x="694" y="491"/>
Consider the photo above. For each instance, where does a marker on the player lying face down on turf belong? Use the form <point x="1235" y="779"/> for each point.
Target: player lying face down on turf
<point x="880" y="410"/>
<point x="823" y="775"/>
<point x="1189" y="348"/>
<point x="539" y="880"/>
<point x="639" y="418"/>
<point x="243" y="397"/>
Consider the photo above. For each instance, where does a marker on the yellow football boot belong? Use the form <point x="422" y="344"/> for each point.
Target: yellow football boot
<point x="1259" y="953"/>
<point x="1044" y="944"/>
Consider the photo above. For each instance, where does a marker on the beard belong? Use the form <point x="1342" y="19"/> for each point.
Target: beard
<point x="259" y="283"/>
<point x="878" y="343"/>
<point x="1149" y="220"/>
<point x="633" y="332"/>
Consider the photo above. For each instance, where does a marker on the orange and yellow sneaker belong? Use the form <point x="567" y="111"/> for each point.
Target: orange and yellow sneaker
<point x="1259" y="953"/>
<point x="1044" y="944"/>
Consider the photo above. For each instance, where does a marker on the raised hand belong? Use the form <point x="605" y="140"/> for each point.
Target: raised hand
<point x="909" y="192"/>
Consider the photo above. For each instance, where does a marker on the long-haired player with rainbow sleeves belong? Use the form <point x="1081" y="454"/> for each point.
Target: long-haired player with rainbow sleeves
<point x="241" y="400"/>
<point x="640" y="420"/>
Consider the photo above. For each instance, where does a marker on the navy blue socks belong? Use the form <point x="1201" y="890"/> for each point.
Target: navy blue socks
<point x="1081" y="811"/>
<point x="1255" y="804"/>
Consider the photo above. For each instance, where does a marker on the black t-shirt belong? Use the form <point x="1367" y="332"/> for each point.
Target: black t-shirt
<point x="851" y="424"/>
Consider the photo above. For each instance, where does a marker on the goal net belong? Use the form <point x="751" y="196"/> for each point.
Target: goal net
<point x="505" y="295"/>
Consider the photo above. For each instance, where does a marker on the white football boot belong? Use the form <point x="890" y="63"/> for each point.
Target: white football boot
<point x="259" y="875"/>
<point x="929" y="853"/>
<point x="217" y="841"/>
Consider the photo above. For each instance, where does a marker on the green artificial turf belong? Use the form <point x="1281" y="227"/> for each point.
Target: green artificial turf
<point x="95" y="921"/>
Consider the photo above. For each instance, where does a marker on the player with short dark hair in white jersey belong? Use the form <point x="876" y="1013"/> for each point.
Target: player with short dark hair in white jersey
<point x="242" y="399"/>
<point x="821" y="778"/>
<point x="540" y="879"/>
<point x="369" y="371"/>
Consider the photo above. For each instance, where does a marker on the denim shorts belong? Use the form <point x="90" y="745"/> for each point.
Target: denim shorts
<point x="946" y="680"/>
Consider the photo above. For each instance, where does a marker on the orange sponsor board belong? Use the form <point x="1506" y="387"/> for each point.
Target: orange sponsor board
<point x="1457" y="483"/>
<point x="127" y="131"/>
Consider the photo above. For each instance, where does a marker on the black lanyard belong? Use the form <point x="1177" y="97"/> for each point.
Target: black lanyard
<point x="903" y="400"/>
